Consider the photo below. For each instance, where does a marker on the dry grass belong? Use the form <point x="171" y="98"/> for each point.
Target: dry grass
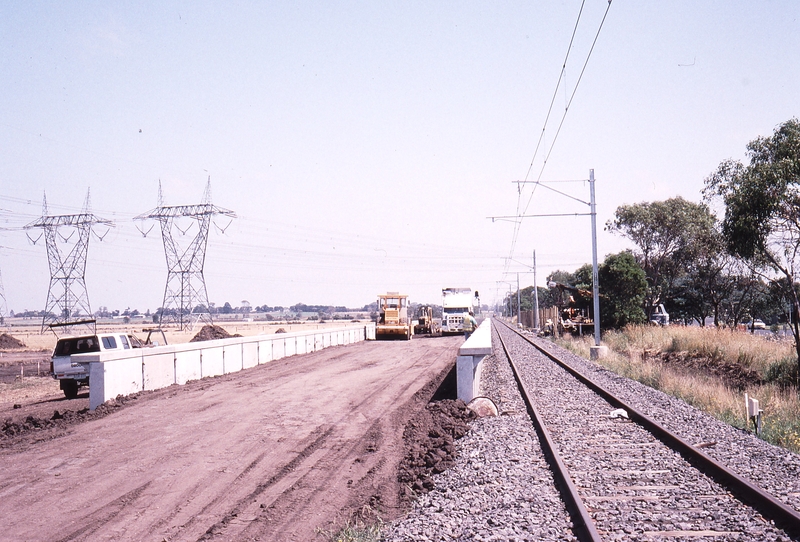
<point x="754" y="352"/>
<point x="774" y="360"/>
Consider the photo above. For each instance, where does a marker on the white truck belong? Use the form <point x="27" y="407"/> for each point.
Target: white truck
<point x="66" y="365"/>
<point x="455" y="302"/>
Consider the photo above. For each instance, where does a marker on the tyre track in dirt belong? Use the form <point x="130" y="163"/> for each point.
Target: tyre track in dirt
<point x="273" y="453"/>
<point x="362" y="464"/>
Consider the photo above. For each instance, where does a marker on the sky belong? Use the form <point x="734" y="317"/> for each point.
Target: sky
<point x="365" y="147"/>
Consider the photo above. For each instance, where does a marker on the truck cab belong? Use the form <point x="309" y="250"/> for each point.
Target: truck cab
<point x="66" y="365"/>
<point x="660" y="316"/>
<point x="455" y="303"/>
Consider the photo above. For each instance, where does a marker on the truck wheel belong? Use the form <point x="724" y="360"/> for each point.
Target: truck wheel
<point x="70" y="388"/>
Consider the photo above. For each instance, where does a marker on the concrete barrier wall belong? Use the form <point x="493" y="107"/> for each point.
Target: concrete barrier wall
<point x="469" y="362"/>
<point x="212" y="359"/>
<point x="131" y="371"/>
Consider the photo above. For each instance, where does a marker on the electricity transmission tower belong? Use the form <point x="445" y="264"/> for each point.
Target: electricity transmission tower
<point x="185" y="296"/>
<point x="67" y="297"/>
<point x="3" y="305"/>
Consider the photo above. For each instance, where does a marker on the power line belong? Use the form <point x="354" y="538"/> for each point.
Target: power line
<point x="518" y="222"/>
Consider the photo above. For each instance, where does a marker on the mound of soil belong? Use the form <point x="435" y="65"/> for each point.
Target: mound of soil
<point x="429" y="438"/>
<point x="11" y="431"/>
<point x="7" y="341"/>
<point x="733" y="375"/>
<point x="210" y="333"/>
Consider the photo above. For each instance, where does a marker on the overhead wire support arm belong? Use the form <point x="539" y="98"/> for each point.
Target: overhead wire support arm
<point x="544" y="184"/>
<point x="536" y="216"/>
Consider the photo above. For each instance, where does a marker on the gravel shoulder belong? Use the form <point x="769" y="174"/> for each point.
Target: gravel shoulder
<point x="499" y="488"/>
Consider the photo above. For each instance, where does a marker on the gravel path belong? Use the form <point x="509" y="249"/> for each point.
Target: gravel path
<point x="502" y="489"/>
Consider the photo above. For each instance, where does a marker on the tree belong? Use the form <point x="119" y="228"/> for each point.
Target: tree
<point x="762" y="210"/>
<point x="623" y="285"/>
<point x="668" y="234"/>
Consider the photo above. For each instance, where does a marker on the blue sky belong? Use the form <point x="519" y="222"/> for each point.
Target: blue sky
<point x="362" y="144"/>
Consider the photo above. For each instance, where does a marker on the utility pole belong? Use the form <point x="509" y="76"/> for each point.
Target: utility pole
<point x="597" y="350"/>
<point x="519" y="307"/>
<point x="535" y="296"/>
<point x="595" y="281"/>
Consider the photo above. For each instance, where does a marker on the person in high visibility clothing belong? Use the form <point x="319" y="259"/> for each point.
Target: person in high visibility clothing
<point x="470" y="324"/>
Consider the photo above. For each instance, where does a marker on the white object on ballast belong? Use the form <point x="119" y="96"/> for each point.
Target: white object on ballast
<point x="619" y="413"/>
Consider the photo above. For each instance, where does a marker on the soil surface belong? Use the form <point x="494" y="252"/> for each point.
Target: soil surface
<point x="285" y="451"/>
<point x="430" y="448"/>
<point x="732" y="374"/>
<point x="7" y="341"/>
<point x="15" y="365"/>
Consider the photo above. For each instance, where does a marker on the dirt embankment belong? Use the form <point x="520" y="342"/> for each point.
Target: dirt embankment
<point x="733" y="375"/>
<point x="283" y="451"/>
<point x="8" y="342"/>
<point x="429" y="440"/>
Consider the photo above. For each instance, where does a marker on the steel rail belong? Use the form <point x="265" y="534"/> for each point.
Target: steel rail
<point x="784" y="516"/>
<point x="584" y="527"/>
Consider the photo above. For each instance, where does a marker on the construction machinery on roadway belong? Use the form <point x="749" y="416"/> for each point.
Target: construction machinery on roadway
<point x="456" y="302"/>
<point x="394" y="322"/>
<point x="424" y="324"/>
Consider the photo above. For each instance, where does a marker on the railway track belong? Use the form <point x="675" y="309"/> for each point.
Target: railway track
<point x="625" y="477"/>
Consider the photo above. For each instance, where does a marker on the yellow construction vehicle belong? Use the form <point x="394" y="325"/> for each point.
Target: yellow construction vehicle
<point x="424" y="323"/>
<point x="394" y="321"/>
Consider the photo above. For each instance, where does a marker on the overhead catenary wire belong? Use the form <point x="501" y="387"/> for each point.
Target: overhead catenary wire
<point x="519" y="215"/>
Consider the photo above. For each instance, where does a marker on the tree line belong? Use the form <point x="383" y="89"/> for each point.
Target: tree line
<point x="742" y="266"/>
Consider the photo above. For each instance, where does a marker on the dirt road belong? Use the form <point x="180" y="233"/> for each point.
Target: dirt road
<point x="277" y="452"/>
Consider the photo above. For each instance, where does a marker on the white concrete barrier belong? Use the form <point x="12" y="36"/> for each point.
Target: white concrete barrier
<point x="468" y="363"/>
<point x="130" y="371"/>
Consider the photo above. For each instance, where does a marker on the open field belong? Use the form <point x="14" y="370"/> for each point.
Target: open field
<point x="711" y="369"/>
<point x="29" y="330"/>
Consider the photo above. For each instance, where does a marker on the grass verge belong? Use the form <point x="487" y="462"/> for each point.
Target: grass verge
<point x="355" y="532"/>
<point x="773" y="360"/>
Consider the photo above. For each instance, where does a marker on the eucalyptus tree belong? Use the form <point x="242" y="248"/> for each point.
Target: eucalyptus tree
<point x="762" y="210"/>
<point x="623" y="285"/>
<point x="669" y="235"/>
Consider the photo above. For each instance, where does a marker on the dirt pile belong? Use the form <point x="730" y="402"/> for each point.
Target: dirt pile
<point x="7" y="341"/>
<point x="11" y="431"/>
<point x="429" y="438"/>
<point x="210" y="333"/>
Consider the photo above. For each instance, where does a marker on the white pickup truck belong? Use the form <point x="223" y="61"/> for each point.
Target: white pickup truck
<point x="69" y="371"/>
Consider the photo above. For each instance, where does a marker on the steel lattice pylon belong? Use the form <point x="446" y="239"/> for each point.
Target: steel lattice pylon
<point x="67" y="296"/>
<point x="185" y="295"/>
<point x="3" y="305"/>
